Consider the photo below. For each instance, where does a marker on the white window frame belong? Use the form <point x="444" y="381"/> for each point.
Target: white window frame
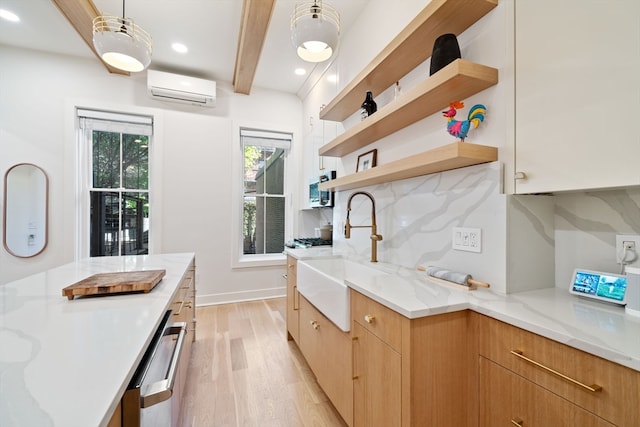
<point x="238" y="258"/>
<point x="84" y="172"/>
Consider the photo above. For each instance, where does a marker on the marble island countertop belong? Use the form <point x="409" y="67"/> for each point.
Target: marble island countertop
<point x="601" y="329"/>
<point x="67" y="363"/>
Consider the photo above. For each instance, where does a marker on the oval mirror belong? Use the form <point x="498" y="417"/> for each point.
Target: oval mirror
<point x="26" y="189"/>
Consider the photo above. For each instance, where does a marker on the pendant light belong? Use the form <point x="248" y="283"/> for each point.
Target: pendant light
<point x="315" y="28"/>
<point x="121" y="43"/>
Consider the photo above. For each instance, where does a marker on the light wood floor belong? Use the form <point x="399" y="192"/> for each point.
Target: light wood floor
<point x="244" y="372"/>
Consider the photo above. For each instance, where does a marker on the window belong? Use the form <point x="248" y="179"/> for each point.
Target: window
<point x="263" y="199"/>
<point x="117" y="147"/>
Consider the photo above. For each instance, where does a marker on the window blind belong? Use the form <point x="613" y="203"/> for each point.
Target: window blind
<point x="115" y="122"/>
<point x="266" y="139"/>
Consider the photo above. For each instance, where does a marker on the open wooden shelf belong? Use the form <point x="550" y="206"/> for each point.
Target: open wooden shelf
<point x="457" y="81"/>
<point x="440" y="159"/>
<point x="406" y="51"/>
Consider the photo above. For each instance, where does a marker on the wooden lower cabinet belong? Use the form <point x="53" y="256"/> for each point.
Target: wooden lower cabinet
<point x="377" y="380"/>
<point x="184" y="310"/>
<point x="606" y="390"/>
<point x="293" y="300"/>
<point x="327" y="350"/>
<point x="412" y="372"/>
<point x="460" y="369"/>
<point x="511" y="400"/>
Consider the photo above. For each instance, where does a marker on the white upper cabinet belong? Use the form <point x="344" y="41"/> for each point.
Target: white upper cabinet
<point x="577" y="94"/>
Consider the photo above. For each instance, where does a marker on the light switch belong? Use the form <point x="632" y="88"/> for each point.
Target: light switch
<point x="467" y="239"/>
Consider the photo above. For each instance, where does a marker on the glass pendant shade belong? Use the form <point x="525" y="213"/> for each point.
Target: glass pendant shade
<point x="315" y="28"/>
<point x="121" y="43"/>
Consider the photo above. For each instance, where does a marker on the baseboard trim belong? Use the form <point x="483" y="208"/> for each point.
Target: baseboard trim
<point x="232" y="297"/>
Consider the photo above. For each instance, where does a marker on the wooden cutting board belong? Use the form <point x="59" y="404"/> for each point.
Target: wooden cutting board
<point x="115" y="283"/>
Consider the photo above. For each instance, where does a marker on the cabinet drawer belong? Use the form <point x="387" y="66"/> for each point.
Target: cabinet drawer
<point x="183" y="303"/>
<point x="564" y="370"/>
<point x="512" y="400"/>
<point x="327" y="350"/>
<point x="381" y="321"/>
<point x="293" y="300"/>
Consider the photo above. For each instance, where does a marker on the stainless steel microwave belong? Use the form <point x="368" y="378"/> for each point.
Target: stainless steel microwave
<point x="319" y="198"/>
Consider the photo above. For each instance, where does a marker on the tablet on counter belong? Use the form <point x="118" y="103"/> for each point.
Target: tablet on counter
<point x="598" y="285"/>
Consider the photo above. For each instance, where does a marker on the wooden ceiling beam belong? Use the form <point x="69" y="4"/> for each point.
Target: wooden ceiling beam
<point x="80" y="14"/>
<point x="256" y="15"/>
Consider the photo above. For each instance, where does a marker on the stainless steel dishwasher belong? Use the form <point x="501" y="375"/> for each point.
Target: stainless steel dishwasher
<point x="153" y="395"/>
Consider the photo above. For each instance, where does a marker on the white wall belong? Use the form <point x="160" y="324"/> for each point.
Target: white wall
<point x="191" y="159"/>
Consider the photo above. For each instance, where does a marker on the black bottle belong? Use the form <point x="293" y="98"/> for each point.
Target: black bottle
<point x="369" y="106"/>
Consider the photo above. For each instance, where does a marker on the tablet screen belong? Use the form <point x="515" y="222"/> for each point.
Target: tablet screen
<point x="603" y="286"/>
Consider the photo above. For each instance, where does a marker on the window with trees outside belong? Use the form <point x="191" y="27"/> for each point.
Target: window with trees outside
<point x="264" y="200"/>
<point x="119" y="183"/>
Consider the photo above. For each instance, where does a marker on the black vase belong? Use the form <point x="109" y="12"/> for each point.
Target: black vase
<point x="445" y="51"/>
<point x="368" y="107"/>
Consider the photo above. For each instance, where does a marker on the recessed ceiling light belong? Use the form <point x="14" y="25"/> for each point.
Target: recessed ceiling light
<point x="9" y="16"/>
<point x="180" y="48"/>
<point x="300" y="71"/>
<point x="332" y="78"/>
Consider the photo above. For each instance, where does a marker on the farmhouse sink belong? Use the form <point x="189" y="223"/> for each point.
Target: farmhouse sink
<point x="322" y="282"/>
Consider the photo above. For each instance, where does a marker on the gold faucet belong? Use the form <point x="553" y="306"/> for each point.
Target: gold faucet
<point x="375" y="237"/>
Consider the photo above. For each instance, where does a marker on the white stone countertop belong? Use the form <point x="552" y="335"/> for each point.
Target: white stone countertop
<point x="67" y="363"/>
<point x="601" y="329"/>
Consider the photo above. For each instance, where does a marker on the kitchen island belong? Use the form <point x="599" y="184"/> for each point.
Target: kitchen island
<point x="68" y="362"/>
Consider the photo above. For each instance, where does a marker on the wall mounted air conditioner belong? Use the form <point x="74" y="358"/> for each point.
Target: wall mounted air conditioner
<point x="184" y="89"/>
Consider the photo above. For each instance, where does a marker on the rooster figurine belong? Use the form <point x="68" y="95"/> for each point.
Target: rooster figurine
<point x="458" y="128"/>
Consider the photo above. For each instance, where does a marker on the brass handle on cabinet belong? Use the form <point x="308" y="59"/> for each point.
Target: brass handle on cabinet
<point x="353" y="357"/>
<point x="314" y="324"/>
<point x="187" y="303"/>
<point x="296" y="298"/>
<point x="592" y="388"/>
<point x="517" y="422"/>
<point x="369" y="318"/>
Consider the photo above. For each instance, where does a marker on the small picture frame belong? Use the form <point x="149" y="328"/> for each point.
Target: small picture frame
<point x="367" y="160"/>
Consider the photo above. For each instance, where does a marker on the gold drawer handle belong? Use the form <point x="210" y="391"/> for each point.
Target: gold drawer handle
<point x="354" y="376"/>
<point x="188" y="304"/>
<point x="314" y="324"/>
<point x="592" y="388"/>
<point x="369" y="318"/>
<point x="517" y="422"/>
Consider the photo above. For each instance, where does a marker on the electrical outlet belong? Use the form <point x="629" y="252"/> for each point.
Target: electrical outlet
<point x="467" y="239"/>
<point x="627" y="246"/>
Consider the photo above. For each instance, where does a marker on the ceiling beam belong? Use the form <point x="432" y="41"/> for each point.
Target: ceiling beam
<point x="256" y="15"/>
<point x="80" y="14"/>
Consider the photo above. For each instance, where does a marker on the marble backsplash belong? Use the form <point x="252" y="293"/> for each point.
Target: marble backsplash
<point x="586" y="225"/>
<point x="416" y="218"/>
<point x="528" y="242"/>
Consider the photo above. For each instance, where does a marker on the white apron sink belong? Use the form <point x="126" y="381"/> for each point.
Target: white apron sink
<point x="322" y="282"/>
